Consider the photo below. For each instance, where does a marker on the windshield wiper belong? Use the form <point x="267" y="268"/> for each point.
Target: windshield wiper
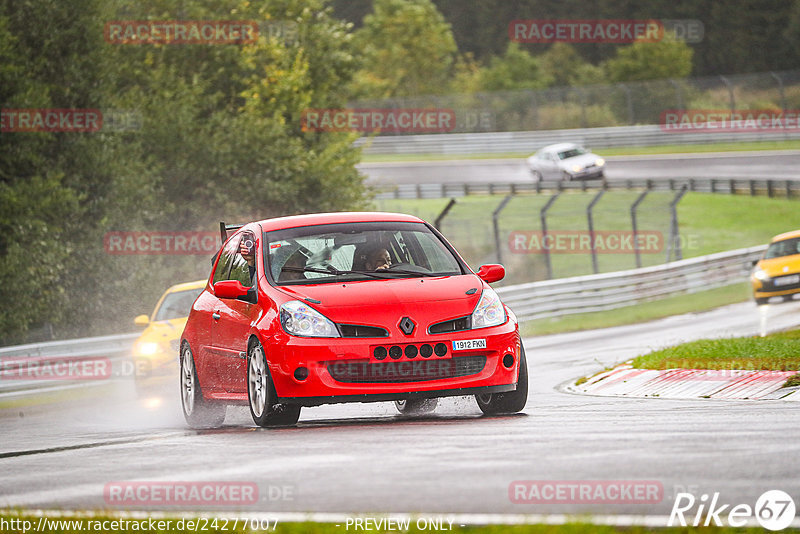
<point x="330" y="270"/>
<point x="406" y="271"/>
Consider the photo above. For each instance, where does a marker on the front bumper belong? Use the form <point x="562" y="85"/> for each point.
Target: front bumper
<point x="767" y="288"/>
<point x="347" y="369"/>
<point x="587" y="174"/>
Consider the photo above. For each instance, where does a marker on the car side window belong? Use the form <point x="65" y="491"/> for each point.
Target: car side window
<point x="240" y="270"/>
<point x="226" y="260"/>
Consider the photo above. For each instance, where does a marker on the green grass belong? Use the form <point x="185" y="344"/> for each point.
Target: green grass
<point x="206" y="525"/>
<point x="792" y="381"/>
<point x="622" y="151"/>
<point x="778" y="352"/>
<point x="638" y="313"/>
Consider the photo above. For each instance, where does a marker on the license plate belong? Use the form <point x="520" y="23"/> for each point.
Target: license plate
<point x="468" y="344"/>
<point x="786" y="280"/>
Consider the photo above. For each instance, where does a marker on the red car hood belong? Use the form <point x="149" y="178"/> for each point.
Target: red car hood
<point x="373" y="302"/>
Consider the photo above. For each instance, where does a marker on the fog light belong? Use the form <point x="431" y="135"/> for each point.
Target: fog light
<point x="411" y="351"/>
<point x="379" y="353"/>
<point x="425" y="351"/>
<point x="395" y="352"/>
<point x="440" y="349"/>
<point x="508" y="361"/>
<point x="301" y="373"/>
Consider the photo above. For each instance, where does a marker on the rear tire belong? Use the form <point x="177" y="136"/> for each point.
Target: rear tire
<point x="537" y="176"/>
<point x="261" y="394"/>
<point x="762" y="301"/>
<point x="512" y="401"/>
<point x="416" y="406"/>
<point x="198" y="412"/>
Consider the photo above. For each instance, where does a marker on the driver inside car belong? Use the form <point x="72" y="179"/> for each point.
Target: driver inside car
<point x="378" y="260"/>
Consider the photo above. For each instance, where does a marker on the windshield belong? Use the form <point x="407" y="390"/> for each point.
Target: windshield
<point x="571" y="153"/>
<point x="357" y="251"/>
<point x="177" y="305"/>
<point x="787" y="247"/>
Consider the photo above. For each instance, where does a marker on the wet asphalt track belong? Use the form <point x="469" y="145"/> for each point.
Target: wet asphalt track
<point x="366" y="458"/>
<point x="780" y="165"/>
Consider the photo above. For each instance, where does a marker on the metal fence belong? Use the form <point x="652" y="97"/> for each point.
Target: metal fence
<point x="530" y="141"/>
<point x="608" y="291"/>
<point x="599" y="106"/>
<point x="751" y="186"/>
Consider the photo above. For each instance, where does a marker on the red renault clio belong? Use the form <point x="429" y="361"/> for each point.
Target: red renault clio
<point x="346" y="307"/>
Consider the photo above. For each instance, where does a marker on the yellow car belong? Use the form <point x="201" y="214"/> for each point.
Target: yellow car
<point x="777" y="273"/>
<point x="155" y="352"/>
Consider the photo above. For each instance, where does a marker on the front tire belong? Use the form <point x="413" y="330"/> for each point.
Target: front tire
<point x="762" y="301"/>
<point x="416" y="406"/>
<point x="512" y="401"/>
<point x="261" y="394"/>
<point x="198" y="412"/>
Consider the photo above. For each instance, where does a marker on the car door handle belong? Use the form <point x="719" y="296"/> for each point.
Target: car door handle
<point x="215" y="315"/>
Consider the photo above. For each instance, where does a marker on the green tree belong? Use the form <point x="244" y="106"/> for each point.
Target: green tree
<point x="516" y="69"/>
<point x="565" y="67"/>
<point x="407" y="49"/>
<point x="641" y="61"/>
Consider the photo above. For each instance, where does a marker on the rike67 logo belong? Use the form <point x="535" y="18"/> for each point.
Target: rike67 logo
<point x="774" y="510"/>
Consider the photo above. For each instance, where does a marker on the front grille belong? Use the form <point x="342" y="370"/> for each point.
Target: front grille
<point x="406" y="371"/>
<point x="355" y="330"/>
<point x="770" y="286"/>
<point x="453" y="325"/>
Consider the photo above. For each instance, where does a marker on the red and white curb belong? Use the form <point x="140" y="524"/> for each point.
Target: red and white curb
<point x="625" y="381"/>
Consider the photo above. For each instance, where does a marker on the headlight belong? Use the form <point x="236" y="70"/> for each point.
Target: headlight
<point x="300" y="319"/>
<point x="600" y="162"/>
<point x="489" y="311"/>
<point x="577" y="168"/>
<point x="147" y="349"/>
<point x="760" y="274"/>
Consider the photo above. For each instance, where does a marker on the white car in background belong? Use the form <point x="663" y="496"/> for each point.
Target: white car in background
<point x="565" y="161"/>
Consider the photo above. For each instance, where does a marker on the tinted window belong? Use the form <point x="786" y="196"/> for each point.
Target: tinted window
<point x="787" y="247"/>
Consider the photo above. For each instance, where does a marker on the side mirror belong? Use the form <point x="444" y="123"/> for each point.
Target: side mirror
<point x="141" y="320"/>
<point x="491" y="273"/>
<point x="230" y="289"/>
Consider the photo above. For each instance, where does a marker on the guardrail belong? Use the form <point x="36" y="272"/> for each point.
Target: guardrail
<point x="529" y="142"/>
<point x="608" y="291"/>
<point x="752" y="187"/>
<point x="111" y="349"/>
<point x="536" y="300"/>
